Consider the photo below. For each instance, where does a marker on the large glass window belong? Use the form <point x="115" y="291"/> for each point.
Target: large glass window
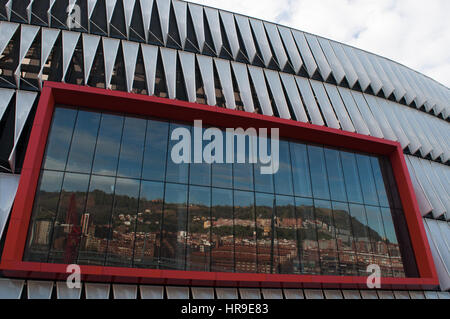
<point x="110" y="194"/>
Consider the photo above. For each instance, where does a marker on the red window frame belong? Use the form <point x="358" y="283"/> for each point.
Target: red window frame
<point x="116" y="101"/>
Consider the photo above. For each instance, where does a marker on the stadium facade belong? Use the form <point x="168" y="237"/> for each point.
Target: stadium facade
<point x="86" y="177"/>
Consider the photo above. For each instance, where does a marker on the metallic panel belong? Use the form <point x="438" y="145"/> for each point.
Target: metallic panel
<point x="305" y="51"/>
<point x="313" y="294"/>
<point x="8" y="189"/>
<point x="177" y="292"/>
<point x="90" y="7"/>
<point x="146" y="11"/>
<point x="163" y="13"/>
<point x="150" y="57"/>
<point x="424" y="204"/>
<point x="294" y="97"/>
<point x="443" y="295"/>
<point x="7" y="30"/>
<point x="96" y="291"/>
<point x="375" y="82"/>
<point x="128" y="7"/>
<point x="438" y="208"/>
<point x="246" y="34"/>
<point x="250" y="293"/>
<point x="350" y="73"/>
<point x="291" y="48"/>
<point x="169" y="60"/>
<point x="369" y="294"/>
<point x="24" y="103"/>
<point x="277" y="45"/>
<point x="259" y="82"/>
<point x="440" y="252"/>
<point x="227" y="293"/>
<point x="39" y="289"/>
<point x="11" y="288"/>
<point x="441" y="191"/>
<point x="125" y="291"/>
<point x="187" y="60"/>
<point x="309" y="100"/>
<point x="363" y="78"/>
<point x="202" y="293"/>
<point x="180" y="9"/>
<point x="27" y="35"/>
<point x="130" y="53"/>
<point x="5" y="98"/>
<point x="205" y="65"/>
<point x="243" y="82"/>
<point x="367" y="115"/>
<point x="336" y="67"/>
<point x="224" y="71"/>
<point x="380" y="118"/>
<point x="355" y="115"/>
<point x="152" y="292"/>
<point x="277" y="93"/>
<point x="110" y="6"/>
<point x="333" y="294"/>
<point x="230" y="31"/>
<point x="48" y="39"/>
<point x="274" y="294"/>
<point x="394" y="122"/>
<point x="409" y="92"/>
<point x="261" y="40"/>
<point x="293" y="294"/>
<point x="385" y="294"/>
<point x="426" y="146"/>
<point x="351" y="294"/>
<point x="90" y="45"/>
<point x="64" y="292"/>
<point x="69" y="43"/>
<point x="212" y="16"/>
<point x="339" y="108"/>
<point x="110" y="47"/>
<point x="431" y="295"/>
<point x="324" y="68"/>
<point x="387" y="88"/>
<point x="414" y="144"/>
<point x="325" y="105"/>
<point x="426" y="123"/>
<point x="399" y="90"/>
<point x="416" y="295"/>
<point x="420" y="96"/>
<point x="196" y="12"/>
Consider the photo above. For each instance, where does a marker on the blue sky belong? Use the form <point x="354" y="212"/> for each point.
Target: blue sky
<point x="415" y="33"/>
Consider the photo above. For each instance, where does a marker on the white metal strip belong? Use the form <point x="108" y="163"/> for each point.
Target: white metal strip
<point x="110" y="6"/>
<point x="11" y="288"/>
<point x="277" y="93"/>
<point x="230" y="31"/>
<point x="5" y="98"/>
<point x="187" y="60"/>
<point x="224" y="71"/>
<point x="177" y="292"/>
<point x="97" y="291"/>
<point x="64" y="292"/>
<point x="259" y="82"/>
<point x="110" y="48"/>
<point x="375" y="82"/>
<point x="180" y="9"/>
<point x="243" y="82"/>
<point x="205" y="65"/>
<point x="169" y="60"/>
<point x="202" y="293"/>
<point x="394" y="122"/>
<point x="212" y="16"/>
<point x="125" y="291"/>
<point x="163" y="7"/>
<point x="39" y="289"/>
<point x="152" y="292"/>
<point x="309" y="101"/>
<point x="146" y="11"/>
<point x="350" y="72"/>
<point x="69" y="43"/>
<point x="130" y="53"/>
<point x="380" y="118"/>
<point x="196" y="12"/>
<point x="48" y="39"/>
<point x="324" y="68"/>
<point x="336" y="67"/>
<point x="291" y="48"/>
<point x="262" y="41"/>
<point x="363" y="78"/>
<point x="355" y="115"/>
<point x="294" y="97"/>
<point x="425" y="206"/>
<point x="90" y="45"/>
<point x="324" y="104"/>
<point x="339" y="108"/>
<point x="7" y="30"/>
<point x="150" y="57"/>
<point x="227" y="293"/>
<point x="277" y="45"/>
<point x="250" y="293"/>
<point x="128" y="7"/>
<point x="8" y="189"/>
<point x="274" y="294"/>
<point x="246" y="34"/>
<point x="367" y="115"/>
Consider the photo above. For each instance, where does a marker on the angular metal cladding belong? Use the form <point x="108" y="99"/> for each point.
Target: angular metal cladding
<point x="205" y="65"/>
<point x="90" y="46"/>
<point x="169" y="60"/>
<point x="241" y="73"/>
<point x="150" y="57"/>
<point x="187" y="60"/>
<point x="130" y="53"/>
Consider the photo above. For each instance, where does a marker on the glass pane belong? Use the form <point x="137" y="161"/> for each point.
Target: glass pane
<point x="148" y="228"/>
<point x="148" y="225"/>
<point x="351" y="177"/>
<point x="318" y="172"/>
<point x="173" y="242"/>
<point x="154" y="167"/>
<point x="98" y="216"/>
<point x="131" y="150"/>
<point x="199" y="229"/>
<point x="83" y="142"/>
<point x="361" y="237"/>
<point x="108" y="145"/>
<point x="242" y="173"/>
<point x="43" y="216"/>
<point x="177" y="173"/>
<point x="379" y="182"/>
<point x="222" y="254"/>
<point x="263" y="182"/>
<point x="70" y="221"/>
<point x="283" y="178"/>
<point x="121" y="242"/>
<point x="264" y="204"/>
<point x="58" y="142"/>
<point x="326" y="233"/>
<point x="392" y="243"/>
<point x="286" y="259"/>
<point x="307" y="236"/>
<point x="367" y="181"/>
<point x="200" y="173"/>
<point x="300" y="170"/>
<point x="344" y="237"/>
<point x="378" y="238"/>
<point x="244" y="232"/>
<point x="335" y="175"/>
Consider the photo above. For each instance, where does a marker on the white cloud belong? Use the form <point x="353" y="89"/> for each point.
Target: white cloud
<point x="415" y="33"/>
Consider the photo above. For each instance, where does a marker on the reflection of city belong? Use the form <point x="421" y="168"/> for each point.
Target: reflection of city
<point x="294" y="240"/>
